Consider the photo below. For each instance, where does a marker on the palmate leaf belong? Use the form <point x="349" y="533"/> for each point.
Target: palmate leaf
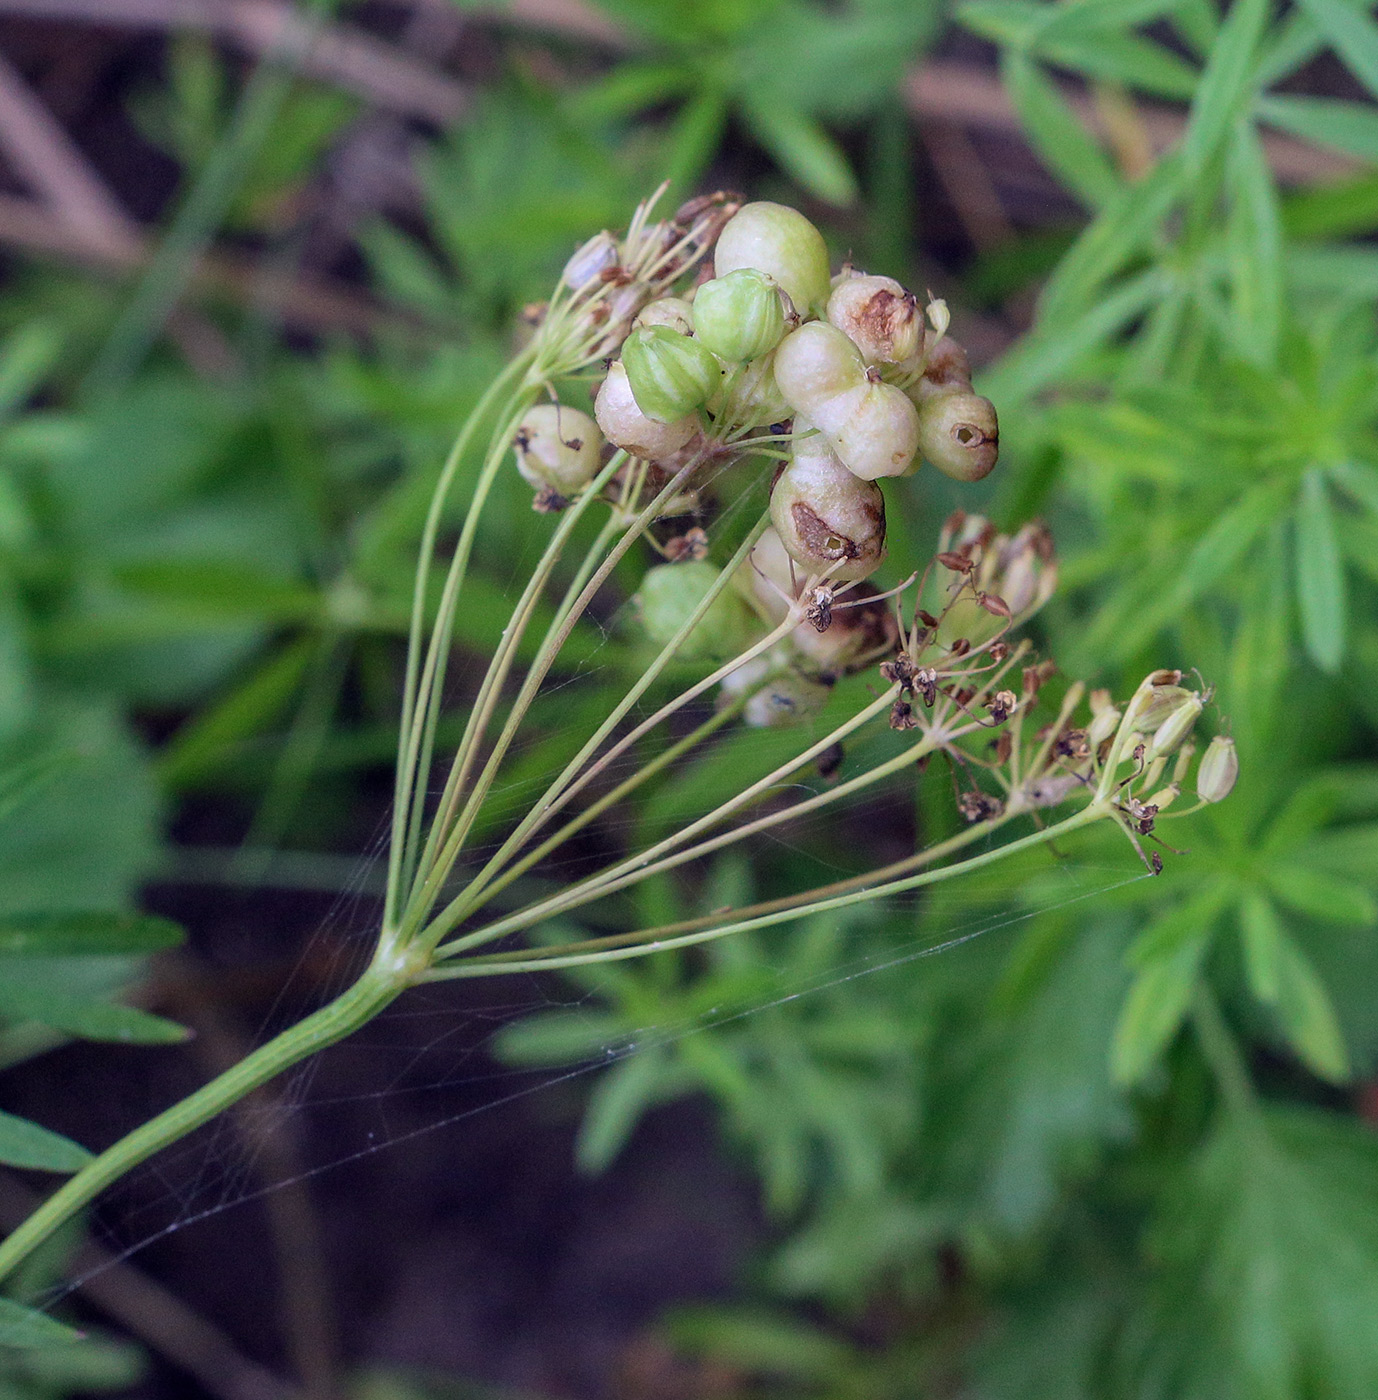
<point x="1271" y="1244"/>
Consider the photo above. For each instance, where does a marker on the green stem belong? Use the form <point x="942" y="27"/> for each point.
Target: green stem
<point x="363" y="1001"/>
<point x="409" y="738"/>
<point x="534" y="962"/>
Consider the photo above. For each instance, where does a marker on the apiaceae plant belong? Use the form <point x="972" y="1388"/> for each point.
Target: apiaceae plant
<point x="775" y="386"/>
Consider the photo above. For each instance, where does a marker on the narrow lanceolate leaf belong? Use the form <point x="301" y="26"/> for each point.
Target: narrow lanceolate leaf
<point x="1153" y="1010"/>
<point x="91" y="1020"/>
<point x="1318" y="895"/>
<point x="1227" y="81"/>
<point x="803" y="149"/>
<point x="1345" y="126"/>
<point x="1320" y="579"/>
<point x="1359" y="481"/>
<point x="85" y="934"/>
<point x="1308" y="1016"/>
<point x="1113" y="239"/>
<point x="25" y="1144"/>
<point x="1059" y="139"/>
<point x="1268" y="1244"/>
<point x="1254" y="243"/>
<point x="1351" y="30"/>
<point x="27" y="1327"/>
<point x="1263" y="934"/>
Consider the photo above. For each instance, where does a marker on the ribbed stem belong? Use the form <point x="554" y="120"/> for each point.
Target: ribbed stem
<point x="363" y="1001"/>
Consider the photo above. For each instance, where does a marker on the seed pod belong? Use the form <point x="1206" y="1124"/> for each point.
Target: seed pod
<point x="879" y="317"/>
<point x="816" y="363"/>
<point x="859" y="634"/>
<point x="946" y="368"/>
<point x="830" y="521"/>
<point x="557" y="447"/>
<point x="1215" y="778"/>
<point x="600" y="254"/>
<point x="873" y="429"/>
<point x="749" y="397"/>
<point x="959" y="434"/>
<point x="624" y="424"/>
<point x="740" y="316"/>
<point x="670" y="374"/>
<point x="781" y="242"/>
<point x="669" y="593"/>
<point x="1181" y="720"/>
<point x="1157" y="698"/>
<point x="672" y="312"/>
<point x="766" y="578"/>
<point x="1102" y="726"/>
<point x="785" y="700"/>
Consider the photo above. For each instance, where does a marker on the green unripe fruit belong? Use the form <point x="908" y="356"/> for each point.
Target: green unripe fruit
<point x="557" y="447"/>
<point x="739" y="317"/>
<point x="674" y="312"/>
<point x="959" y="434"/>
<point x="627" y="427"/>
<point x="669" y="594"/>
<point x="781" y="242"/>
<point x="1215" y="778"/>
<point x="830" y="521"/>
<point x="785" y="700"/>
<point x="670" y="374"/>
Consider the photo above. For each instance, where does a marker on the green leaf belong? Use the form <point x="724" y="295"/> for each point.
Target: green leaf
<point x="85" y="934"/>
<point x="91" y="1020"/>
<point x="25" y="1144"/>
<point x="1121" y="58"/>
<point x="1254" y="243"/>
<point x="1320" y="580"/>
<point x="29" y="352"/>
<point x="27" y="1327"/>
<point x="1359" y="481"/>
<point x="1269" y="1250"/>
<point x="803" y="149"/>
<point x="219" y="589"/>
<point x="1352" y="32"/>
<point x="1262" y="933"/>
<point x="1041" y="359"/>
<point x="1008" y="22"/>
<point x="1061" y="142"/>
<point x="759" y="1342"/>
<point x="558" y="1038"/>
<point x="694" y="138"/>
<point x="1226" y="82"/>
<point x="1346" y="126"/>
<point x="1154" y="1009"/>
<point x="1316" y="895"/>
<point x="617" y="1103"/>
<point x="1180" y="926"/>
<point x="1347" y="272"/>
<point x="1308" y="1015"/>
<point x="1332" y="211"/>
<point x="1116" y="236"/>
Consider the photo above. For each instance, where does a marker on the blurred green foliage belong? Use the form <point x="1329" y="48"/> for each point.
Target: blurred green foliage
<point x="1109" y="1148"/>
